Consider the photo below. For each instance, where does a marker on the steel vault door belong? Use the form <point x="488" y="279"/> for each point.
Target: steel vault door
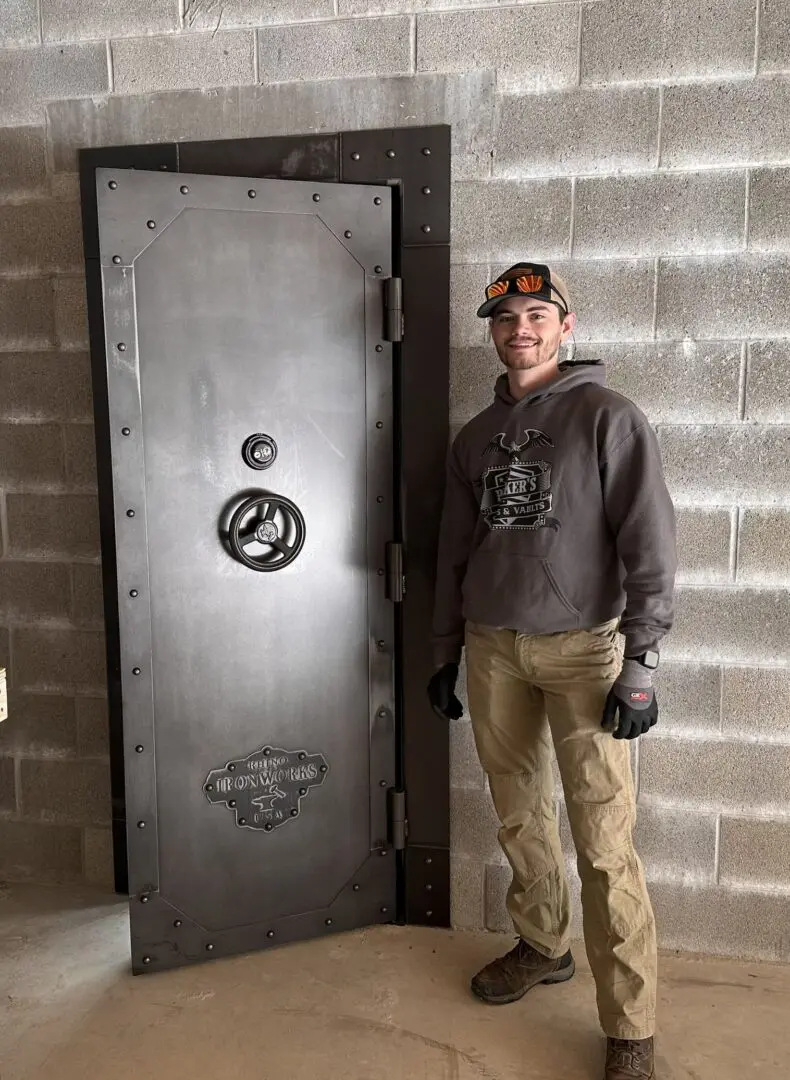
<point x="250" y="403"/>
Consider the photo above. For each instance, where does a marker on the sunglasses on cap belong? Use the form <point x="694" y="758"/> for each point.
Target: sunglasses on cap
<point x="525" y="279"/>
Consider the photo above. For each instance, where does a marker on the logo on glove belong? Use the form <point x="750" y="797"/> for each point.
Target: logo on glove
<point x="639" y="695"/>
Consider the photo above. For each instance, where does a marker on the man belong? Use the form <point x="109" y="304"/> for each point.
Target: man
<point x="556" y="570"/>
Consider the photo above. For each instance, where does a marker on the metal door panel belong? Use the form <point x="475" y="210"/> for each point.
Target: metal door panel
<point x="228" y="315"/>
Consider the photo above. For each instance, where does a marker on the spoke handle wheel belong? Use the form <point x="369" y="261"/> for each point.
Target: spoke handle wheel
<point x="266" y="532"/>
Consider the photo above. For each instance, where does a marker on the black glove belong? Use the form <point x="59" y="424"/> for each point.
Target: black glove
<point x="631" y="708"/>
<point x="441" y="693"/>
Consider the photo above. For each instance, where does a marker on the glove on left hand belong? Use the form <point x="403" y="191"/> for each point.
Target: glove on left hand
<point x="631" y="708"/>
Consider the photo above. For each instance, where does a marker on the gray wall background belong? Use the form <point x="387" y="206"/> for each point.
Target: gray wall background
<point x="644" y="151"/>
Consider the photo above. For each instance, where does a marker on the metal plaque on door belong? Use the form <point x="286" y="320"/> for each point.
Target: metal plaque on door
<point x="249" y="392"/>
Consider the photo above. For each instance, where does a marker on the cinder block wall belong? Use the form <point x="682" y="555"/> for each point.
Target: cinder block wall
<point x="642" y="148"/>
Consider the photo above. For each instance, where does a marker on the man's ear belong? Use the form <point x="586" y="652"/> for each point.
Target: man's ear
<point x="568" y="325"/>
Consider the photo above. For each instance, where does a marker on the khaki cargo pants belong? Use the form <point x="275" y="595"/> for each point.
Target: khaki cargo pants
<point x="524" y="691"/>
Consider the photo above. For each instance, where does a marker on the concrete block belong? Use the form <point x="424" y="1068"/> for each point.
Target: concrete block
<point x="764" y="547"/>
<point x="774" y="35"/>
<point x="26" y="313"/>
<point x="659" y="214"/>
<point x="22" y="151"/>
<point x="714" y="774"/>
<point x="754" y="703"/>
<point x="689" y="698"/>
<point x="727" y="464"/>
<point x="731" y="297"/>
<point x="45" y="386"/>
<point x="346" y="48"/>
<point x="754" y="853"/>
<point x="690" y="382"/>
<point x="93" y="732"/>
<point x="467" y="292"/>
<point x="147" y="118"/>
<point x="66" y="792"/>
<point x="613" y="299"/>
<point x="704" y="537"/>
<point x="80" y="456"/>
<point x="474" y="825"/>
<point x="465" y="102"/>
<point x="97" y="856"/>
<point x="203" y="14"/>
<point x="531" y="48"/>
<point x="577" y="131"/>
<point x="19" y="23"/>
<point x="39" y="725"/>
<point x="473" y="372"/>
<point x="53" y="525"/>
<point x="497" y="883"/>
<point x="739" y="626"/>
<point x="88" y="605"/>
<point x="769" y="210"/>
<point x="626" y="42"/>
<point x="466" y="893"/>
<point x="676" y="845"/>
<point x="38" y="237"/>
<point x="30" y="77"/>
<point x="722" y="922"/>
<point x="465" y="768"/>
<point x="743" y="122"/>
<point x="45" y="854"/>
<point x="34" y="590"/>
<point x="500" y="220"/>
<point x="180" y="62"/>
<point x="7" y="787"/>
<point x="71" y="313"/>
<point x="31" y="454"/>
<point x="767" y="385"/>
<point x="86" y="20"/>
<point x="59" y="659"/>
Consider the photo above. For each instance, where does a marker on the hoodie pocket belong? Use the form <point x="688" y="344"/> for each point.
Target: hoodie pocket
<point x="516" y="591"/>
<point x="557" y="590"/>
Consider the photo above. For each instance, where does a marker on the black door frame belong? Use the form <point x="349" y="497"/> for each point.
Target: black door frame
<point x="415" y="161"/>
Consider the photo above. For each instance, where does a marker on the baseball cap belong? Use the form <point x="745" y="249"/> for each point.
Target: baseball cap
<point x="526" y="279"/>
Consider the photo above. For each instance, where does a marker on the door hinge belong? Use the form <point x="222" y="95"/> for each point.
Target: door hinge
<point x="396" y="578"/>
<point x="399" y="826"/>
<point x="393" y="309"/>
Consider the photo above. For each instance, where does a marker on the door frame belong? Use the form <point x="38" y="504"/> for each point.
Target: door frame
<point x="415" y="162"/>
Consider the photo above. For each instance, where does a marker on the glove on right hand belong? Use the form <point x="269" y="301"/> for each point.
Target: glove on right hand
<point x="441" y="693"/>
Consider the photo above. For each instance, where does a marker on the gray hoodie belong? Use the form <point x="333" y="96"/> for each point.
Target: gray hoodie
<point x="556" y="517"/>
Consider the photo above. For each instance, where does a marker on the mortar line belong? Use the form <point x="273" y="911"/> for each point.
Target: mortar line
<point x="182" y="13"/>
<point x="747" y="210"/>
<point x="579" y="47"/>
<point x="256" y="58"/>
<point x="40" y="22"/>
<point x="744" y="378"/>
<point x="572" y="230"/>
<point x="757" y="36"/>
<point x="413" y="44"/>
<point x="110" y="67"/>
<point x="717" y="850"/>
<point x="735" y="540"/>
<point x="655" y="298"/>
<point x="659" y="137"/>
<point x="721" y="699"/>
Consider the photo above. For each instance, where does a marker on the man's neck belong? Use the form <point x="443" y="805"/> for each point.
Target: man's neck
<point x="525" y="381"/>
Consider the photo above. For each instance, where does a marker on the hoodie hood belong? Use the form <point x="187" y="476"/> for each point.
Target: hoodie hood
<point x="572" y="374"/>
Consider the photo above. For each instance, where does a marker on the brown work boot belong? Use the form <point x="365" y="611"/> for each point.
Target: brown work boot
<point x="509" y="977"/>
<point x="629" y="1059"/>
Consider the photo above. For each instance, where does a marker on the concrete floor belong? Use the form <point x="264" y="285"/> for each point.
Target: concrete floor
<point x="386" y="1004"/>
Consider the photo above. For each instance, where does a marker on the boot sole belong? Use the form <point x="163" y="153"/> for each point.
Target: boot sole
<point x="507" y="999"/>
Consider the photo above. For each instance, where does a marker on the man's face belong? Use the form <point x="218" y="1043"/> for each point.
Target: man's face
<point x="528" y="332"/>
